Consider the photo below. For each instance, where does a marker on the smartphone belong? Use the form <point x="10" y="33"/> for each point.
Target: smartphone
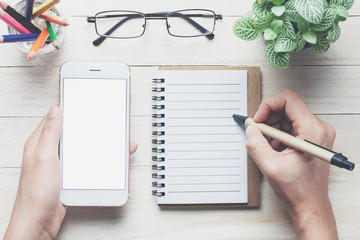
<point x="94" y="145"/>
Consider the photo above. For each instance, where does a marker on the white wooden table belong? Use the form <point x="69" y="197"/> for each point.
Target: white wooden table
<point x="329" y="83"/>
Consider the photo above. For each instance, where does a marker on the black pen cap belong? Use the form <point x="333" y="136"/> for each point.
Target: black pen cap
<point x="342" y="162"/>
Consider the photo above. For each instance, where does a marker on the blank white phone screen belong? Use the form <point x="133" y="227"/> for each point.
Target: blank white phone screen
<point x="94" y="132"/>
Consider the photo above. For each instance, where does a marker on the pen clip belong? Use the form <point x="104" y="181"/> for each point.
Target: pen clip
<point x="321" y="147"/>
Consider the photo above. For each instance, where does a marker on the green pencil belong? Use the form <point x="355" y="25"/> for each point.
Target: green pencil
<point x="52" y="34"/>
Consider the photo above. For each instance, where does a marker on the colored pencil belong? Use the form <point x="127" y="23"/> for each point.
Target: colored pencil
<point x="52" y="34"/>
<point x="29" y="9"/>
<point x="13" y="23"/>
<point x="19" y="38"/>
<point x="20" y="18"/>
<point x="54" y="19"/>
<point x="40" y="41"/>
<point x="44" y="7"/>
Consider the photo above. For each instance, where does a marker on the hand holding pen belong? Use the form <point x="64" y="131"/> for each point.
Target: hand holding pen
<point x="299" y="179"/>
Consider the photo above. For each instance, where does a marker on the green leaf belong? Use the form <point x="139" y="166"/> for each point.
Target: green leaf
<point x="244" y="29"/>
<point x="310" y="37"/>
<point x="334" y="33"/>
<point x="277" y="25"/>
<point x="288" y="29"/>
<point x="345" y="3"/>
<point x="269" y="34"/>
<point x="251" y="15"/>
<point x="263" y="9"/>
<point x="303" y="25"/>
<point x="263" y="23"/>
<point x="290" y="11"/>
<point x="326" y="4"/>
<point x="279" y="60"/>
<point x="342" y="12"/>
<point x="300" y="44"/>
<point x="327" y="21"/>
<point x="321" y="46"/>
<point x="278" y="10"/>
<point x="278" y="2"/>
<point x="311" y="10"/>
<point x="284" y="44"/>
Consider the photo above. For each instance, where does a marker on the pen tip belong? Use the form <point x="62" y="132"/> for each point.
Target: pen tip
<point x="240" y="119"/>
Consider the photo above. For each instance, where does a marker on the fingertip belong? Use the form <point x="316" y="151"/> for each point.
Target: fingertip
<point x="53" y="112"/>
<point x="249" y="131"/>
<point x="256" y="116"/>
<point x="133" y="147"/>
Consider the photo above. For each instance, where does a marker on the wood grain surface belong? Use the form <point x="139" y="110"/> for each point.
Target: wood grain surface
<point x="329" y="83"/>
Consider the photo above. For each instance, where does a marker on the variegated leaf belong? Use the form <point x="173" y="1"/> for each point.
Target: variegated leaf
<point x="288" y="29"/>
<point x="278" y="2"/>
<point x="244" y="29"/>
<point x="284" y="44"/>
<point x="327" y="21"/>
<point x="264" y="22"/>
<point x="269" y="34"/>
<point x="345" y="3"/>
<point x="303" y="25"/>
<point x="263" y="9"/>
<point x="311" y="10"/>
<point x="342" y="12"/>
<point x="278" y="10"/>
<point x="300" y="44"/>
<point x="251" y="15"/>
<point x="290" y="11"/>
<point x="277" y="25"/>
<point x="279" y="60"/>
<point x="321" y="46"/>
<point x="334" y="33"/>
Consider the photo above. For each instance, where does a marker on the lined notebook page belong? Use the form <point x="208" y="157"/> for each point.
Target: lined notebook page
<point x="205" y="154"/>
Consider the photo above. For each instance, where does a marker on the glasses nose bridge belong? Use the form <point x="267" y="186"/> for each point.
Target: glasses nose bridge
<point x="156" y="16"/>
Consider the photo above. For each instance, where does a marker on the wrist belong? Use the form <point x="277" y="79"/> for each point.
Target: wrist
<point x="23" y="227"/>
<point x="314" y="221"/>
<point x="24" y="224"/>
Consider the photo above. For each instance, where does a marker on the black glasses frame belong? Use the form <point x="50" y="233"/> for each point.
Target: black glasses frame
<point x="154" y="16"/>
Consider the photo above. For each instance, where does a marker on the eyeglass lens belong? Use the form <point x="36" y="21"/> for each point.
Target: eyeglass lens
<point x="120" y="24"/>
<point x="190" y="23"/>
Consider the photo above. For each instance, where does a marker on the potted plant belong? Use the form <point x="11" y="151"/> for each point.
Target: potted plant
<point x="291" y="25"/>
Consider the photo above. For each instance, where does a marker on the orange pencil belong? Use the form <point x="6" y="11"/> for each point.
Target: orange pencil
<point x="40" y="41"/>
<point x="54" y="19"/>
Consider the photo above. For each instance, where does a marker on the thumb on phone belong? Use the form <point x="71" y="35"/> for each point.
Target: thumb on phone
<point x="50" y="133"/>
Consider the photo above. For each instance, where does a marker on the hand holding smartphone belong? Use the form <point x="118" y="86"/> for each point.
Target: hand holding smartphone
<point x="94" y="146"/>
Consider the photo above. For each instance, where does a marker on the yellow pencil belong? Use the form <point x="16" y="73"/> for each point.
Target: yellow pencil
<point x="44" y="7"/>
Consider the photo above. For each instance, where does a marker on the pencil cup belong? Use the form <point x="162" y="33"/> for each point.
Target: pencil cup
<point x="41" y="24"/>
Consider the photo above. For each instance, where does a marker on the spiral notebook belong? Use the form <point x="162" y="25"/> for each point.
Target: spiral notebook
<point x="199" y="150"/>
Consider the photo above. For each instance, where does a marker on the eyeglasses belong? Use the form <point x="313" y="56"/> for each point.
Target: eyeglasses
<point x="130" y="24"/>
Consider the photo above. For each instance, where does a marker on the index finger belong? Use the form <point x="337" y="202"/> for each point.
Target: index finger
<point x="288" y="101"/>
